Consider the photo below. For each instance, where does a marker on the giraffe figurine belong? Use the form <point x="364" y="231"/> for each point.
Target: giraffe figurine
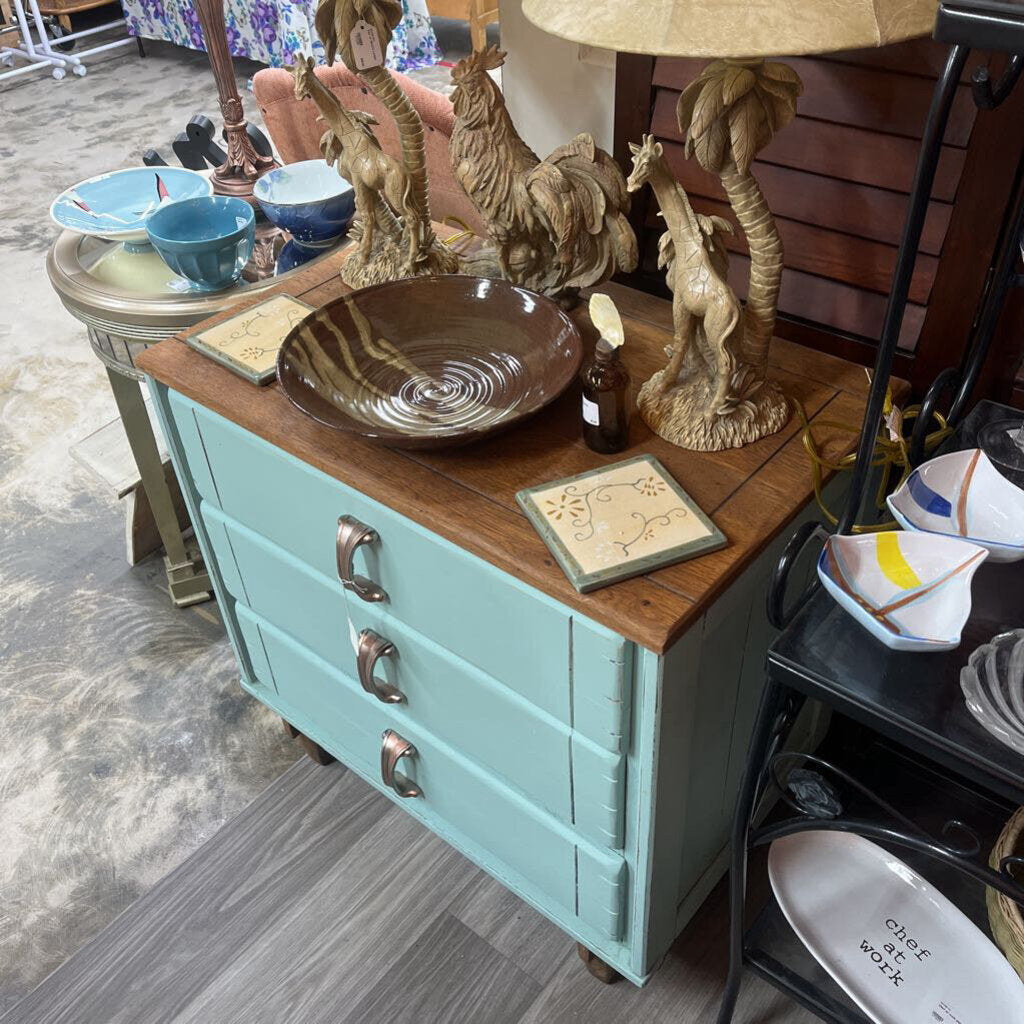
<point x="697" y="265"/>
<point x="706" y="396"/>
<point x="350" y="144"/>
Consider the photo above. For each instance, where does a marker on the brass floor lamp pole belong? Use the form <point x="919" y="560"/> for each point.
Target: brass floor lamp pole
<point x="243" y="166"/>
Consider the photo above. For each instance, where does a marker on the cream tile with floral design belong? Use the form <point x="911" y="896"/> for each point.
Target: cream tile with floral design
<point x="248" y="343"/>
<point x="618" y="521"/>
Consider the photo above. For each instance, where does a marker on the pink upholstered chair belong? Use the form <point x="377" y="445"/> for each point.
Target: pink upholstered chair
<point x="295" y="131"/>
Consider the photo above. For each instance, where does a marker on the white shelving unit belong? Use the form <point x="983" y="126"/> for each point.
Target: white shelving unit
<point x="36" y="47"/>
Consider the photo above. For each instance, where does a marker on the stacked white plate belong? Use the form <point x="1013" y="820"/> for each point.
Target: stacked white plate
<point x="993" y="684"/>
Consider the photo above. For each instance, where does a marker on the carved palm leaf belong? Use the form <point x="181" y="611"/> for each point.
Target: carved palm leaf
<point x="335" y="20"/>
<point x="732" y="109"/>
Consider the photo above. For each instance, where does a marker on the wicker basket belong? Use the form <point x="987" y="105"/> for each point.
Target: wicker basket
<point x="1005" y="916"/>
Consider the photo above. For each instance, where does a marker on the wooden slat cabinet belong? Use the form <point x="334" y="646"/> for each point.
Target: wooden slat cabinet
<point x="584" y="749"/>
<point x="838" y="178"/>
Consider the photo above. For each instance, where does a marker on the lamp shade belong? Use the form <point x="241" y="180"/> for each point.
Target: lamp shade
<point x="733" y="28"/>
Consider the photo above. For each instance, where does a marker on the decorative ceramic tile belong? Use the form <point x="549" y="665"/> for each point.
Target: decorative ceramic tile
<point x="247" y="343"/>
<point x="618" y="521"/>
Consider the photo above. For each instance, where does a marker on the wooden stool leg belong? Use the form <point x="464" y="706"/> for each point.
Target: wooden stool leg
<point x="187" y="579"/>
<point x="598" y="968"/>
<point x="313" y="749"/>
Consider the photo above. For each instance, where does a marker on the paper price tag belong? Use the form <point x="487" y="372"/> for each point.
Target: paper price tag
<point x="894" y="423"/>
<point x="366" y="49"/>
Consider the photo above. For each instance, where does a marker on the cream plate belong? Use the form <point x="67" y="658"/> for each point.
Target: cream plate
<point x="910" y="590"/>
<point x="963" y="495"/>
<point x="902" y="951"/>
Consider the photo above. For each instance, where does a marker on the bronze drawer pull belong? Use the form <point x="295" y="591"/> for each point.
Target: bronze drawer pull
<point x="352" y="534"/>
<point x="392" y="750"/>
<point x="370" y="647"/>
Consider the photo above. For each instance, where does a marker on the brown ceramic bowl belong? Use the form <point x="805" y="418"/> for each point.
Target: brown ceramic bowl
<point x="430" y="362"/>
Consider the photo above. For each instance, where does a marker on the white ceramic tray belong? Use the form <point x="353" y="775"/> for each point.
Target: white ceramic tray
<point x="902" y="951"/>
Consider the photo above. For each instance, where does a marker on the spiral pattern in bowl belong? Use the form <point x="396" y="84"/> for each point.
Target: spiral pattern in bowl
<point x="430" y="362"/>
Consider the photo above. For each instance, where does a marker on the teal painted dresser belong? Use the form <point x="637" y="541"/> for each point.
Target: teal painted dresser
<point x="399" y="610"/>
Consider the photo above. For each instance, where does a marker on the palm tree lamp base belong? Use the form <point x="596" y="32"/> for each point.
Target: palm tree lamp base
<point x="388" y="258"/>
<point x="681" y="413"/>
<point x="393" y="232"/>
<point x="715" y="392"/>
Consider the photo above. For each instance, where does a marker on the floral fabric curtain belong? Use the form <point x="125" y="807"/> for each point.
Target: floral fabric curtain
<point x="275" y="32"/>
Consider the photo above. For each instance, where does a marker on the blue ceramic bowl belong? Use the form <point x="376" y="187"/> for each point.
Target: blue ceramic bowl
<point x="117" y="204"/>
<point x="309" y="200"/>
<point x="207" y="240"/>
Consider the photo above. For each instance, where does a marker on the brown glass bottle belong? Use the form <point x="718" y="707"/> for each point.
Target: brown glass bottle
<point x="605" y="401"/>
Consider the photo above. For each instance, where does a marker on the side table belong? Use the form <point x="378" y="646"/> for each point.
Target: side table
<point x="599" y="786"/>
<point x="121" y="324"/>
<point x="187" y="579"/>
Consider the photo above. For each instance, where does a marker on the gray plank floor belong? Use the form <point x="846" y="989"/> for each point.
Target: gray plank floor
<point x="324" y="903"/>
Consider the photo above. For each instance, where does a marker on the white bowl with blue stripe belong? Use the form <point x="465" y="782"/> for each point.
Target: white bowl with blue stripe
<point x="911" y="591"/>
<point x="116" y="205"/>
<point x="963" y="495"/>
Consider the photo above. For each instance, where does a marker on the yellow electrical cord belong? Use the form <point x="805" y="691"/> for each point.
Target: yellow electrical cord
<point x="890" y="454"/>
<point x="453" y="240"/>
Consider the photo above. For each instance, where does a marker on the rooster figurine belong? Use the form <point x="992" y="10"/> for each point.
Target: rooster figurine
<point x="558" y="224"/>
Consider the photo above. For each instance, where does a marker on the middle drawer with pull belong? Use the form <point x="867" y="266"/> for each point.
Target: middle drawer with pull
<point x="555" y="767"/>
<point x="485" y="616"/>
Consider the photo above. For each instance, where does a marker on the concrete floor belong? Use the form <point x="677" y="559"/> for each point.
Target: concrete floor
<point x="127" y="741"/>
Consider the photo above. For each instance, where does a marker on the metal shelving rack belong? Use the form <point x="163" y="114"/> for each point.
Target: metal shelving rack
<point x="39" y="50"/>
<point x="911" y="700"/>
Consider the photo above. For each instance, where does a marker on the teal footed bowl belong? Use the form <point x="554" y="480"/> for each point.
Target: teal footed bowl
<point x="207" y="240"/>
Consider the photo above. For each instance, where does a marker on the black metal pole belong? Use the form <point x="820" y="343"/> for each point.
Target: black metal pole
<point x="1007" y="252"/>
<point x="757" y="757"/>
<point x="924" y="177"/>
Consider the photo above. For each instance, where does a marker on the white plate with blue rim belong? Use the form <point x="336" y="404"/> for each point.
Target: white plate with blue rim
<point x="116" y="205"/>
<point x="963" y="495"/>
<point x="896" y="945"/>
<point x="912" y="591"/>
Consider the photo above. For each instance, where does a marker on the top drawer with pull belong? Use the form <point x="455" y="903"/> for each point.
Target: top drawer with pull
<point x="569" y="666"/>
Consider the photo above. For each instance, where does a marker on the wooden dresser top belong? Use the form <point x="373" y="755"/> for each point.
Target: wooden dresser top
<point x="467" y="495"/>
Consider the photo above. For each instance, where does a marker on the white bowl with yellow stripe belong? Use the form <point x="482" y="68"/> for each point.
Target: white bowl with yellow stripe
<point x="912" y="591"/>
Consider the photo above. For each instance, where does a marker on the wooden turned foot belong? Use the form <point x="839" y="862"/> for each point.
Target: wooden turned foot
<point x="598" y="968"/>
<point x="313" y="749"/>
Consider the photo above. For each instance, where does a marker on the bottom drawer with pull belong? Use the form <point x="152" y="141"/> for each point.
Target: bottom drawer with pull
<point x="527" y="848"/>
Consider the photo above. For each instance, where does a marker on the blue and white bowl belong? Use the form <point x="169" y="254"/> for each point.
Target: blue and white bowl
<point x="963" y="495"/>
<point x="116" y="205"/>
<point x="208" y="240"/>
<point x="309" y="200"/>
